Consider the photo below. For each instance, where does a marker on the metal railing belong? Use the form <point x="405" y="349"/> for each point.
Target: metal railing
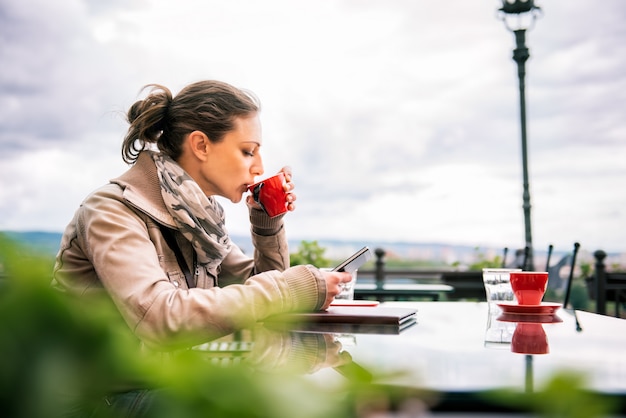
<point x="395" y="283"/>
<point x="603" y="285"/>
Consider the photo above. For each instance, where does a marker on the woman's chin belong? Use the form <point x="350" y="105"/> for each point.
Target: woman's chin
<point x="236" y="199"/>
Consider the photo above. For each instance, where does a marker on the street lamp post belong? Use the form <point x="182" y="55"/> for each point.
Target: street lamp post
<point x="518" y="17"/>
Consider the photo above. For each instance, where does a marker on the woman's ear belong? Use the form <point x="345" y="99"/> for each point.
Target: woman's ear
<point x="199" y="145"/>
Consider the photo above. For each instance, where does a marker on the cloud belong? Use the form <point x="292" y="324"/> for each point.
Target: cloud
<point x="400" y="118"/>
<point x="56" y="80"/>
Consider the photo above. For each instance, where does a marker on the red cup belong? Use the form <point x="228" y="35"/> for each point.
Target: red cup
<point x="270" y="194"/>
<point x="529" y="338"/>
<point x="529" y="286"/>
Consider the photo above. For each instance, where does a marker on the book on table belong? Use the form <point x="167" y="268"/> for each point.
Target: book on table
<point x="356" y="319"/>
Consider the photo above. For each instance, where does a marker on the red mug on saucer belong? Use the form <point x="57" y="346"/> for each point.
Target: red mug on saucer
<point x="270" y="194"/>
<point x="529" y="286"/>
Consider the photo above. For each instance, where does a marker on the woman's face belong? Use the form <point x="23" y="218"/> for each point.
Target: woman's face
<point x="233" y="163"/>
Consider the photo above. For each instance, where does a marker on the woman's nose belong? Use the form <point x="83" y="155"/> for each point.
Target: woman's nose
<point x="257" y="169"/>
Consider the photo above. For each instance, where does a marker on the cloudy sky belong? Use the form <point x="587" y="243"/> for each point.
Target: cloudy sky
<point x="400" y="118"/>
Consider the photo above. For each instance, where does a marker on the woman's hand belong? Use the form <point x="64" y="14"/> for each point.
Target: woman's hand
<point x="289" y="186"/>
<point x="334" y="284"/>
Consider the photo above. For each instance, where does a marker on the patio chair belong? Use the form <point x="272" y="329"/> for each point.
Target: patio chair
<point x="568" y="286"/>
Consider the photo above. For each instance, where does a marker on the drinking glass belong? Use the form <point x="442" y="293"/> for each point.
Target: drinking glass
<point x="347" y="289"/>
<point x="498" y="289"/>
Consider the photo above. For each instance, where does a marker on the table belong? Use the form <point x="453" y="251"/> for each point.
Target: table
<point x="446" y="352"/>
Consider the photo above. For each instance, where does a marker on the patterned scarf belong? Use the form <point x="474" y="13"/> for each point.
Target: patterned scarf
<point x="199" y="218"/>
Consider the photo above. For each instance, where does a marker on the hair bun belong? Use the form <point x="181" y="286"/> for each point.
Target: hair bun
<point x="134" y="111"/>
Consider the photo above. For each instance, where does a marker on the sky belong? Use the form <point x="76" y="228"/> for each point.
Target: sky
<point x="400" y="118"/>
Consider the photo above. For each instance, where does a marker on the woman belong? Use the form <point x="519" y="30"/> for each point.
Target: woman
<point x="155" y="240"/>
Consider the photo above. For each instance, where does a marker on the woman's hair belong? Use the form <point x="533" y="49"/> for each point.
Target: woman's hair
<point x="207" y="106"/>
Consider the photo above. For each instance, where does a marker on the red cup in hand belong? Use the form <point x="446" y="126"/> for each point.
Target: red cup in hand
<point x="270" y="194"/>
<point x="529" y="286"/>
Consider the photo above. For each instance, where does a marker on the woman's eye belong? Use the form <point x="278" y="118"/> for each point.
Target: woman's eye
<point x="249" y="153"/>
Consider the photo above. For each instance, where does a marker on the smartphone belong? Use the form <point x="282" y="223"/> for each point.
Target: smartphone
<point x="356" y="260"/>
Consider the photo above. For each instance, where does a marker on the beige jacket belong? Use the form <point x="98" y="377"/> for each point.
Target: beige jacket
<point x="114" y="243"/>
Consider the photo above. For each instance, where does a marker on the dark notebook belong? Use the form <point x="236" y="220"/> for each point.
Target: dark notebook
<point x="350" y="319"/>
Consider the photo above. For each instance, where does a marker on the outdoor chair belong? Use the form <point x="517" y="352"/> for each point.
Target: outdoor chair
<point x="555" y="280"/>
<point x="568" y="286"/>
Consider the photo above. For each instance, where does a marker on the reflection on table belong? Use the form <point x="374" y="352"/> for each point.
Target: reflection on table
<point x="448" y="351"/>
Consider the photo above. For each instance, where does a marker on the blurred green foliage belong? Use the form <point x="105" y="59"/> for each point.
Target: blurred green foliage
<point x="483" y="262"/>
<point x="310" y="252"/>
<point x="402" y="264"/>
<point x="58" y="353"/>
<point x="54" y="351"/>
<point x="562" y="396"/>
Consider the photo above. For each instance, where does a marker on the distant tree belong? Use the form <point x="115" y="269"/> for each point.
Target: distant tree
<point x="483" y="262"/>
<point x="310" y="252"/>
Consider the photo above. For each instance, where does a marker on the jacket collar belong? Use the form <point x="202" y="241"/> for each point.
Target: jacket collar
<point x="142" y="189"/>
